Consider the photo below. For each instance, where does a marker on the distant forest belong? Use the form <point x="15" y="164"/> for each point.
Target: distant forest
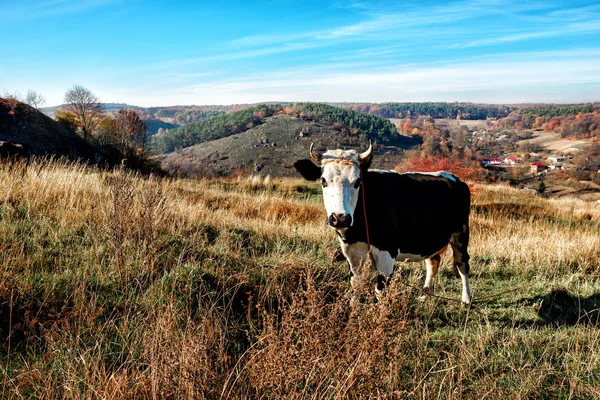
<point x="435" y="110"/>
<point x="469" y="111"/>
<point x="559" y="110"/>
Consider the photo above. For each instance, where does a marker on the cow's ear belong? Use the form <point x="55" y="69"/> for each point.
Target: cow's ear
<point x="308" y="170"/>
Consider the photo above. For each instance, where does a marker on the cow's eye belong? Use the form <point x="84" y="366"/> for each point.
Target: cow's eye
<point x="323" y="182"/>
<point x="357" y="183"/>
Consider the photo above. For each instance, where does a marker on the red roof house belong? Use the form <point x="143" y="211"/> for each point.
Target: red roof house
<point x="538" y="167"/>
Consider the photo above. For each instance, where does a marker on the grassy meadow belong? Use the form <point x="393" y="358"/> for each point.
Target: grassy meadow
<point x="118" y="286"/>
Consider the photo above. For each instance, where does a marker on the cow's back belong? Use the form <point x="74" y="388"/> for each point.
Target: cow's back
<point x="416" y="213"/>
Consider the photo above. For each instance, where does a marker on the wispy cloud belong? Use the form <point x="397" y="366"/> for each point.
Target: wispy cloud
<point x="570" y="30"/>
<point x="568" y="76"/>
<point x="234" y="55"/>
<point x="443" y="21"/>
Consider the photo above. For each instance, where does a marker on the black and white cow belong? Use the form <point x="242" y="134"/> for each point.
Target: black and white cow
<point x="411" y="216"/>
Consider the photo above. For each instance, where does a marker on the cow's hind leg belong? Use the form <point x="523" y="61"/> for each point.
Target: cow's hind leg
<point x="459" y="242"/>
<point x="432" y="264"/>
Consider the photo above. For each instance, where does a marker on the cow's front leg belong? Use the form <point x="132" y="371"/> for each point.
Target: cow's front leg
<point x="384" y="263"/>
<point x="357" y="254"/>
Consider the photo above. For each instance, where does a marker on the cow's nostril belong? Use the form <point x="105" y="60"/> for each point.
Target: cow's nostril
<point x="344" y="220"/>
<point x="340" y="220"/>
<point x="333" y="220"/>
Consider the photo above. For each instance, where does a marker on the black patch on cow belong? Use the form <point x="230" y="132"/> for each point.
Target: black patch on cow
<point x="365" y="164"/>
<point x="341" y="236"/>
<point x="459" y="242"/>
<point x="308" y="169"/>
<point x="381" y="282"/>
<point x="417" y="213"/>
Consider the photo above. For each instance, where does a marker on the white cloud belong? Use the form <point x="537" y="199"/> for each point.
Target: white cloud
<point x="544" y="77"/>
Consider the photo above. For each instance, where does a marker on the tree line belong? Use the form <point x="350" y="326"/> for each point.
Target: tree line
<point x="560" y="110"/>
<point x="433" y="109"/>
<point x="192" y="115"/>
<point x="367" y="126"/>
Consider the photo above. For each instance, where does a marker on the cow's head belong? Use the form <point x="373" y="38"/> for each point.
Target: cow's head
<point x="340" y="175"/>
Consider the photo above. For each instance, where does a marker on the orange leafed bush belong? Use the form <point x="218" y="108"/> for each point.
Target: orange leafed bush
<point x="465" y="169"/>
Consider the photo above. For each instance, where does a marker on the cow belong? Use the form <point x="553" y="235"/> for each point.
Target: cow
<point x="410" y="217"/>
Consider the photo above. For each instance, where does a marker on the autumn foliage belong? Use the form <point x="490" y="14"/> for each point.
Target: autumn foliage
<point x="463" y="168"/>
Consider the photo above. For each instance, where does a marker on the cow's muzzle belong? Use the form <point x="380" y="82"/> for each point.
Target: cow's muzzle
<point x="339" y="221"/>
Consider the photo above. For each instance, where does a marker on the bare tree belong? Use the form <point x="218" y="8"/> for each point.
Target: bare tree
<point x="133" y="133"/>
<point x="11" y="101"/>
<point x="34" y="99"/>
<point x="85" y="107"/>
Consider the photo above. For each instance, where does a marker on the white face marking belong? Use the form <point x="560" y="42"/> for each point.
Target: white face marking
<point x="340" y="182"/>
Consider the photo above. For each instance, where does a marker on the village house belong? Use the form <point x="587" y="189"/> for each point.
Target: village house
<point x="491" y="161"/>
<point x="556" y="159"/>
<point x="537" y="168"/>
<point x="512" y="160"/>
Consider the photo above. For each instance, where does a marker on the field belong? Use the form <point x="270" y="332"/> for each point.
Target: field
<point x="117" y="286"/>
<point x="553" y="142"/>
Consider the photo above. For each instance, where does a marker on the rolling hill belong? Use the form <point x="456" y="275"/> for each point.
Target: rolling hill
<point x="44" y="135"/>
<point x="273" y="143"/>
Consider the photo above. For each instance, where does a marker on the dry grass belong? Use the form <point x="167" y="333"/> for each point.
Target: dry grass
<point x="117" y="286"/>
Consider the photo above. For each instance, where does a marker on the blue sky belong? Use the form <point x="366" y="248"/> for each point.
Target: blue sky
<point x="227" y="52"/>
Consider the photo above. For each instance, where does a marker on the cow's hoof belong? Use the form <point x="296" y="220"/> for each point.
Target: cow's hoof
<point x="427" y="292"/>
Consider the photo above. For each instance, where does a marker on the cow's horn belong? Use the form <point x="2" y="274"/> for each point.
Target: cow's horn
<point x="367" y="154"/>
<point x="314" y="155"/>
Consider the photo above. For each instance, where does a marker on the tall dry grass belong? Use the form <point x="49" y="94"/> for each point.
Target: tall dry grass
<point x="114" y="285"/>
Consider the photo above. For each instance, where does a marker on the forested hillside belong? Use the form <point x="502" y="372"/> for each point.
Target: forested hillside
<point x="435" y="110"/>
<point x="212" y="128"/>
<point x="365" y="126"/>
